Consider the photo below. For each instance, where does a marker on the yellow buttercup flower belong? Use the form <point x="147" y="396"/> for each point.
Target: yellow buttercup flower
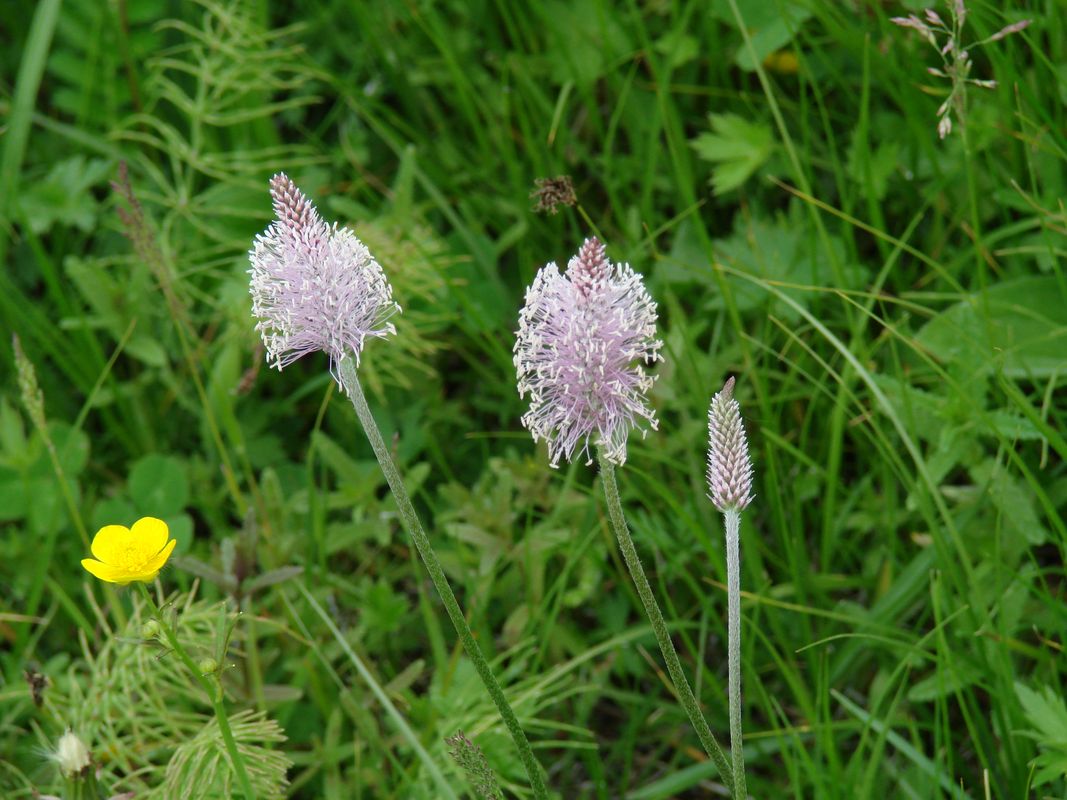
<point x="124" y="554"/>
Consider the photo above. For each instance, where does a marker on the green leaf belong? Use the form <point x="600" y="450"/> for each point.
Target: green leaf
<point x="771" y="26"/>
<point x="44" y="504"/>
<point x="361" y="477"/>
<point x="736" y="147"/>
<point x="779" y="250"/>
<point x="159" y="486"/>
<point x="12" y="430"/>
<point x="944" y="682"/>
<point x="113" y="511"/>
<point x="63" y="196"/>
<point x="147" y="349"/>
<point x="1046" y="712"/>
<point x="271" y="578"/>
<point x="1018" y="326"/>
<point x="1013" y="501"/>
<point x="382" y="607"/>
<point x="873" y="170"/>
<point x="181" y="528"/>
<point x="13" y="495"/>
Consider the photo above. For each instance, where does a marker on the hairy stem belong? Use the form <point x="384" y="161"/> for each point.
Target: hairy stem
<point x="733" y="617"/>
<point x="437" y="575"/>
<point x="213" y="690"/>
<point x="659" y="625"/>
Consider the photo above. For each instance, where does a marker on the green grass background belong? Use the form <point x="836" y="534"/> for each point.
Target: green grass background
<point x="894" y="308"/>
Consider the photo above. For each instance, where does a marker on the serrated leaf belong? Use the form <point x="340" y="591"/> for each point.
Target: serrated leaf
<point x="1046" y="712"/>
<point x="736" y="147"/>
<point x="779" y="250"/>
<point x="1012" y="499"/>
<point x="63" y="196"/>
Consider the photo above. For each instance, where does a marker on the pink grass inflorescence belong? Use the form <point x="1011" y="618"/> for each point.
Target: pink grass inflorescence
<point x="315" y="286"/>
<point x="583" y="338"/>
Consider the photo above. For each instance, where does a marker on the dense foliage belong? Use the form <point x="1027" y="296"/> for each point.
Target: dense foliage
<point x="893" y="304"/>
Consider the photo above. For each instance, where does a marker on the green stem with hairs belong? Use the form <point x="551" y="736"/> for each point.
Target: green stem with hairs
<point x="213" y="690"/>
<point x="733" y="624"/>
<point x="422" y="543"/>
<point x="659" y="625"/>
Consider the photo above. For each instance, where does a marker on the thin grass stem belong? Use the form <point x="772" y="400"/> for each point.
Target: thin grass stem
<point x="659" y="625"/>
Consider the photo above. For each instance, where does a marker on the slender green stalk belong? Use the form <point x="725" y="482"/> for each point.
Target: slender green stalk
<point x="659" y="625"/>
<point x="214" y="692"/>
<point x="437" y="575"/>
<point x="733" y="624"/>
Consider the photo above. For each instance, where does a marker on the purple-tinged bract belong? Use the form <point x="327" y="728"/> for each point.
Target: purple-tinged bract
<point x="315" y="286"/>
<point x="729" y="466"/>
<point x="584" y="338"/>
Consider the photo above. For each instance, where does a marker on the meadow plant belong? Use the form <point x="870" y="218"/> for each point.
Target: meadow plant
<point x="136" y="555"/>
<point x="317" y="287"/>
<point x="584" y="336"/>
<point x="730" y="489"/>
<point x="472" y="760"/>
<point x="72" y="756"/>
<point x="583" y="340"/>
<point x="956" y="62"/>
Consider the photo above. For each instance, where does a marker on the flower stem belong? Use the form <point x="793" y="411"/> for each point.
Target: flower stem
<point x="733" y="623"/>
<point x="437" y="575"/>
<point x="659" y="625"/>
<point x="213" y="690"/>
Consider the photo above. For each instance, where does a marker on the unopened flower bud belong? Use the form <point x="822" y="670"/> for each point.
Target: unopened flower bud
<point x="729" y="466"/>
<point x="208" y="665"/>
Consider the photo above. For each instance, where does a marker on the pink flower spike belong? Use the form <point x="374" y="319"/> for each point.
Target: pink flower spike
<point x="910" y="21"/>
<point x="1008" y="31"/>
<point x="729" y="466"/>
<point x="583" y="338"/>
<point x="959" y="10"/>
<point x="315" y="286"/>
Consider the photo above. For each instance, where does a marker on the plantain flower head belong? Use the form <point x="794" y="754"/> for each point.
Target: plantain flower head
<point x="729" y="467"/>
<point x="123" y="555"/>
<point x="583" y="340"/>
<point x="315" y="286"/>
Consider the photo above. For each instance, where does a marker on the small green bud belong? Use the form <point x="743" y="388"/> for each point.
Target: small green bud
<point x="150" y="629"/>
<point x="208" y="665"/>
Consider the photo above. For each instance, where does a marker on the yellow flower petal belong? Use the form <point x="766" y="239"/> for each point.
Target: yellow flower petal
<point x="110" y="542"/>
<point x="105" y="572"/>
<point x="156" y="562"/>
<point x="149" y="536"/>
